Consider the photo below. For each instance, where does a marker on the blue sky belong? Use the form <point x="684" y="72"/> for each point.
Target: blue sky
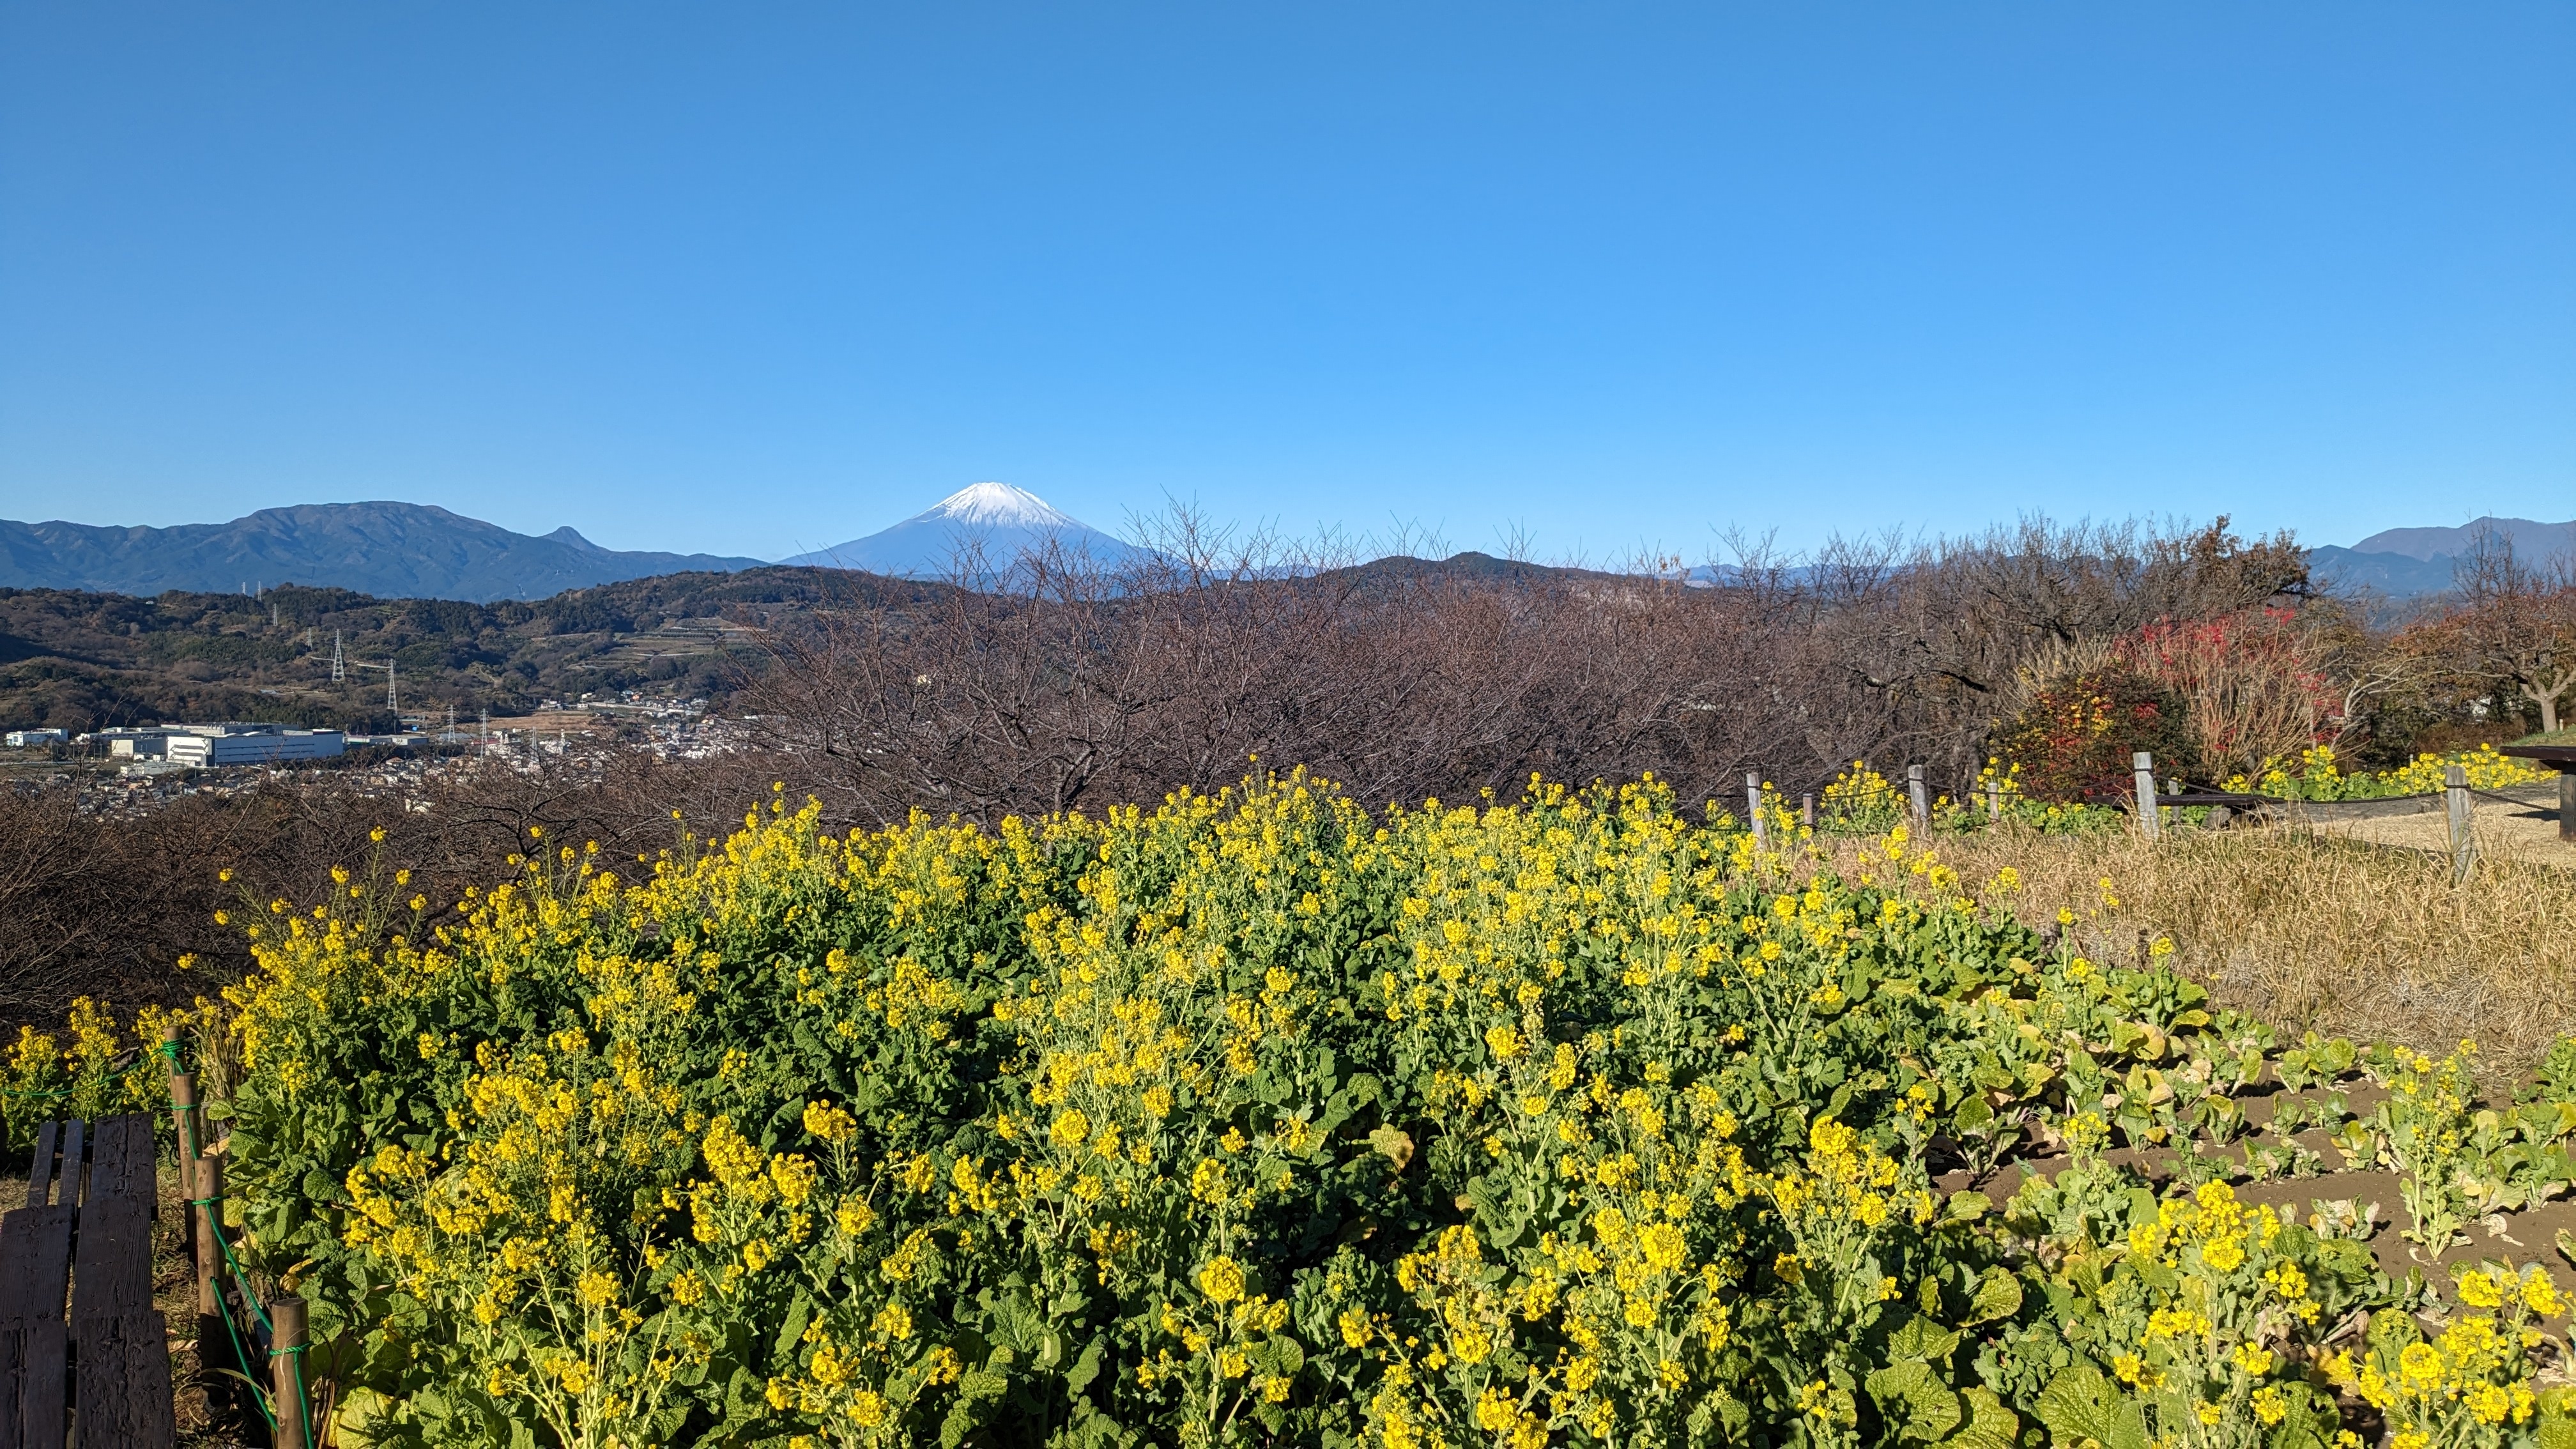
<point x="752" y="279"/>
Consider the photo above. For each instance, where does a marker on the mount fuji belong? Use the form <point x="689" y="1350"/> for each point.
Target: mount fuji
<point x="974" y="532"/>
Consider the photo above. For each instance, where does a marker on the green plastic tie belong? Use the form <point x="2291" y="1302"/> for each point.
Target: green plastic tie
<point x="241" y="1354"/>
<point x="303" y="1396"/>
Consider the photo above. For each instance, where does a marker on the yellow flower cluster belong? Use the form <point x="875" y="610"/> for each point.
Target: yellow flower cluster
<point x="2317" y="776"/>
<point x="503" y="1233"/>
<point x="2471" y="1380"/>
<point x="2208" y="1311"/>
<point x="43" y="1077"/>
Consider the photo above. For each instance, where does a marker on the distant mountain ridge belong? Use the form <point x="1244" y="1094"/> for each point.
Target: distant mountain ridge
<point x="2530" y="539"/>
<point x="980" y="529"/>
<point x="390" y="550"/>
<point x="2397" y="575"/>
<point x="2411" y="562"/>
<point x="408" y="550"/>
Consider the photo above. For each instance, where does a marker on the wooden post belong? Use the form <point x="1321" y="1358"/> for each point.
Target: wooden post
<point x="2567" y="804"/>
<point x="1994" y="799"/>
<point x="1807" y="811"/>
<point x="209" y="1196"/>
<point x="286" y="1371"/>
<point x="2143" y="765"/>
<point x="1918" y="797"/>
<point x="183" y="1114"/>
<point x="1753" y="807"/>
<point x="2455" y="785"/>
<point x="183" y="1121"/>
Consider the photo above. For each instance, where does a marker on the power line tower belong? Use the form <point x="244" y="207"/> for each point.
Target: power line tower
<point x="393" y="689"/>
<point x="339" y="670"/>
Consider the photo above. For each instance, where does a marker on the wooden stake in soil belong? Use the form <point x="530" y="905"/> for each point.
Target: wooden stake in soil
<point x="1753" y="808"/>
<point x="1994" y="799"/>
<point x="207" y="1199"/>
<point x="183" y="1114"/>
<point x="2455" y="785"/>
<point x="286" y="1371"/>
<point x="2143" y="765"/>
<point x="1807" y="811"/>
<point x="1918" y="798"/>
<point x="183" y="1117"/>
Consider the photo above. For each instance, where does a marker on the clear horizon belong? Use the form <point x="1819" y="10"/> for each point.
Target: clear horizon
<point x="1409" y="536"/>
<point x="754" y="284"/>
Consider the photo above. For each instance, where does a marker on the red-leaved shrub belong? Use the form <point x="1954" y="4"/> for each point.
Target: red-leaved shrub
<point x="2075" y="739"/>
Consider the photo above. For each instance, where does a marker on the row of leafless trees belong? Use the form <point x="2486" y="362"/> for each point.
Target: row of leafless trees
<point x="1064" y="685"/>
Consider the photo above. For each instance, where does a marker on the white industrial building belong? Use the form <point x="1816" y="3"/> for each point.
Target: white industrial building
<point x="141" y="744"/>
<point x="259" y="747"/>
<point x="204" y="745"/>
<point x="24" y="739"/>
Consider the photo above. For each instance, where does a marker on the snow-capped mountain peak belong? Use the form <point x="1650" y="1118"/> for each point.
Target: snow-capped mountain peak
<point x="998" y="505"/>
<point x="980" y="532"/>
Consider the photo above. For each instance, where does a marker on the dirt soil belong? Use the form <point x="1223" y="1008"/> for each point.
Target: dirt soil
<point x="2319" y="1181"/>
<point x="2523" y="831"/>
<point x="211" y="1413"/>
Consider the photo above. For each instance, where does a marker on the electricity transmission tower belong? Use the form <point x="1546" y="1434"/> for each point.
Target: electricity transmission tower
<point x="393" y="694"/>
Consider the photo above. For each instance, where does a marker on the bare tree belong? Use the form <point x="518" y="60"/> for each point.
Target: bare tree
<point x="1401" y="678"/>
<point x="2514" y="628"/>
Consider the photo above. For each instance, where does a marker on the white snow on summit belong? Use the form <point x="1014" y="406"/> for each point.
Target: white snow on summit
<point x="983" y="529"/>
<point x="997" y="505"/>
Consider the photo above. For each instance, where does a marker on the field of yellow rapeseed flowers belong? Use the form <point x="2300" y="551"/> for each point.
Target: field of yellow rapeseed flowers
<point x="1264" y="1118"/>
<point x="2316" y="776"/>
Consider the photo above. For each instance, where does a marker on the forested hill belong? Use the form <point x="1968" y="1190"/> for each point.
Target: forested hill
<point x="79" y="660"/>
<point x="394" y="550"/>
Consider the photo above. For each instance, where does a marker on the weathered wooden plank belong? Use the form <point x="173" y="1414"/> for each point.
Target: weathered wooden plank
<point x="122" y="1386"/>
<point x="40" y="1171"/>
<point x="122" y="1162"/>
<point x="43" y="1404"/>
<point x="67" y="1178"/>
<point x="112" y="1263"/>
<point x="13" y="1380"/>
<point x="31" y="1384"/>
<point x="35" y="1262"/>
<point x="123" y="1393"/>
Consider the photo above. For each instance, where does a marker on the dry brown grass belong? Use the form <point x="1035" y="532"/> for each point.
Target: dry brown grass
<point x="2309" y="931"/>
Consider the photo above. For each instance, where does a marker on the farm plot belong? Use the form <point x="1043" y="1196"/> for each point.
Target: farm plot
<point x="1264" y="1118"/>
